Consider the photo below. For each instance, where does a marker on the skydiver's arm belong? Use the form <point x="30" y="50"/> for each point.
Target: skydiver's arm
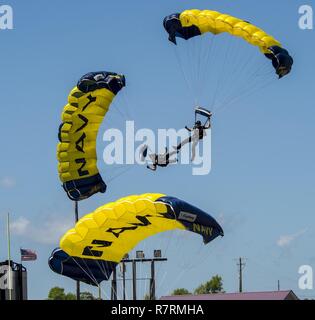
<point x="207" y="125"/>
<point x="189" y="129"/>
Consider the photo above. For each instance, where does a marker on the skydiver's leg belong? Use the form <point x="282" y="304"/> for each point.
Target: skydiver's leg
<point x="152" y="167"/>
<point x="173" y="153"/>
<point x="193" y="150"/>
<point x="173" y="160"/>
<point x="152" y="157"/>
<point x="195" y="140"/>
<point x="181" y="144"/>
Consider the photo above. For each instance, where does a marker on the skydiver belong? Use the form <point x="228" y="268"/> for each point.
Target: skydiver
<point x="198" y="133"/>
<point x="161" y="160"/>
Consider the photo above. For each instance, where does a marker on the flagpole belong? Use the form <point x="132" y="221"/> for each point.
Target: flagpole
<point x="9" y="256"/>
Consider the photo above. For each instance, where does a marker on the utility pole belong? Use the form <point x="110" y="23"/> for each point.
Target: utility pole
<point x="152" y="281"/>
<point x="9" y="281"/>
<point x="134" y="280"/>
<point x="114" y="285"/>
<point x="134" y="275"/>
<point x="124" y="279"/>
<point x="240" y="266"/>
<point x="76" y="217"/>
<point x="278" y="285"/>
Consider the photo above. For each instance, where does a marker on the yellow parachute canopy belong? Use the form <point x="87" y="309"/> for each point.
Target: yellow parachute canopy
<point x="191" y="23"/>
<point x="216" y="22"/>
<point x="114" y="229"/>
<point x="87" y="106"/>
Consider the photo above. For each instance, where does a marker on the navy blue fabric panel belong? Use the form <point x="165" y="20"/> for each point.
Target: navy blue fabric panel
<point x="281" y="60"/>
<point x="102" y="79"/>
<point x="84" y="188"/>
<point x="194" y="219"/>
<point x="89" y="271"/>
<point x="175" y="29"/>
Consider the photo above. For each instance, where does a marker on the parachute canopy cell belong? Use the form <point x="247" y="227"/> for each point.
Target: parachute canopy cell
<point x="192" y="23"/>
<point x="114" y="229"/>
<point x="87" y="106"/>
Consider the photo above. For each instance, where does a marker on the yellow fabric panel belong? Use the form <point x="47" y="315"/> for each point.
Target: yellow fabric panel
<point x="81" y="121"/>
<point x="67" y="170"/>
<point x="216" y="23"/>
<point x="119" y="215"/>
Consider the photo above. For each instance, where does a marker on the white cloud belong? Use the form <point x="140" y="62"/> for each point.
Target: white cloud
<point x="20" y="226"/>
<point x="7" y="182"/>
<point x="51" y="231"/>
<point x="48" y="232"/>
<point x="286" y="240"/>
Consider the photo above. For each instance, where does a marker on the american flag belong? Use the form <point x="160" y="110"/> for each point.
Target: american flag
<point x="28" y="255"/>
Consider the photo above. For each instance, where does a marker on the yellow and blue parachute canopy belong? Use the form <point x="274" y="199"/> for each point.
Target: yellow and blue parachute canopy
<point x="107" y="234"/>
<point x="192" y="23"/>
<point x="87" y="106"/>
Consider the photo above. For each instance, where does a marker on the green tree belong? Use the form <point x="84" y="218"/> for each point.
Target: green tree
<point x="86" y="296"/>
<point x="146" y="296"/>
<point x="214" y="285"/>
<point x="70" y="296"/>
<point x="57" y="293"/>
<point x="180" y="292"/>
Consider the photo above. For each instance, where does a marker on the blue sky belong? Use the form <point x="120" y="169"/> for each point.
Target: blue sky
<point x="261" y="186"/>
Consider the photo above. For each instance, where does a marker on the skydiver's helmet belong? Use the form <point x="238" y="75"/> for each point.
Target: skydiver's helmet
<point x="198" y="123"/>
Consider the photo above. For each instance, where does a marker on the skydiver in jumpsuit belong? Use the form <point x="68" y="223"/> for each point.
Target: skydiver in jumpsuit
<point x="161" y="160"/>
<point x="198" y="133"/>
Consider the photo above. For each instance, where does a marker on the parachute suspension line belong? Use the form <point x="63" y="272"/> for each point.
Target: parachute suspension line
<point x="126" y="102"/>
<point x="237" y="67"/>
<point x="174" y="281"/>
<point x="207" y="63"/>
<point x="245" y="94"/>
<point x="170" y="239"/>
<point x="100" y="268"/>
<point x="98" y="264"/>
<point x="117" y="110"/>
<point x="180" y="64"/>
<point x="196" y="49"/>
<point x="90" y="275"/>
<point x="184" y="266"/>
<point x="234" y="92"/>
<point x="176" y="243"/>
<point x="231" y="78"/>
<point x="253" y="82"/>
<point x="118" y="174"/>
<point x="220" y="79"/>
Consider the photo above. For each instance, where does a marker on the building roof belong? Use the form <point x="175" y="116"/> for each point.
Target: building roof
<point x="269" y="295"/>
